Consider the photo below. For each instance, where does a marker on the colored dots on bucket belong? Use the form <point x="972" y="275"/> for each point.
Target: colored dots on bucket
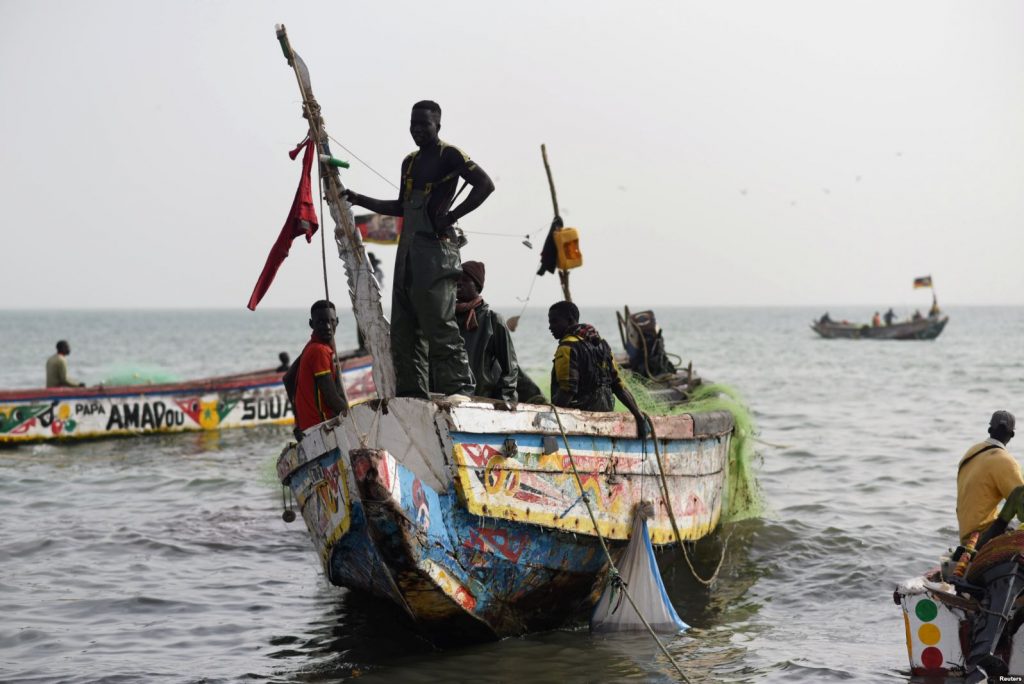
<point x="931" y="658"/>
<point x="926" y="610"/>
<point x="929" y="634"/>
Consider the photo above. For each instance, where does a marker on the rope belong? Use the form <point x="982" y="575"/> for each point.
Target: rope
<point x="529" y="293"/>
<point x="356" y="157"/>
<point x="771" y="444"/>
<point x="385" y="179"/>
<point x="613" y="571"/>
<point x="672" y="516"/>
<point x="708" y="582"/>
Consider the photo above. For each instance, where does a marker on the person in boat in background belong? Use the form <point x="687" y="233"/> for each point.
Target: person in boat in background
<point x="57" y="368"/>
<point x="917" y="316"/>
<point x="428" y="351"/>
<point x="285" y="362"/>
<point x="988" y="474"/>
<point x="876" y="321"/>
<point x="889" y="316"/>
<point x="825" y="319"/>
<point x="313" y="382"/>
<point x="584" y="374"/>
<point x="935" y="310"/>
<point x="492" y="356"/>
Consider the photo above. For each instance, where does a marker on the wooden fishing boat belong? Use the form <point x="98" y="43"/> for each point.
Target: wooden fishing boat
<point x="937" y="619"/>
<point x="468" y="515"/>
<point x="230" y="401"/>
<point x="484" y="519"/>
<point x="921" y="329"/>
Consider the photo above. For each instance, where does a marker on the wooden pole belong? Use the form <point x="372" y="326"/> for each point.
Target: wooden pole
<point x="563" y="274"/>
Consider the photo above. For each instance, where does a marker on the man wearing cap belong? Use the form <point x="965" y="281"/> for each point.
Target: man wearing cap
<point x="987" y="475"/>
<point x="492" y="356"/>
<point x="428" y="351"/>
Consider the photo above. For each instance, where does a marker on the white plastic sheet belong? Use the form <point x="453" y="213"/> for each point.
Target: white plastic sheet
<point x="639" y="571"/>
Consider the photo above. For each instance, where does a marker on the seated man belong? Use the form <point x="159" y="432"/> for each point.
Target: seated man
<point x="313" y="382"/>
<point x="584" y="375"/>
<point x="285" y="362"/>
<point x="987" y="475"/>
<point x="492" y="356"/>
<point x="57" y="368"/>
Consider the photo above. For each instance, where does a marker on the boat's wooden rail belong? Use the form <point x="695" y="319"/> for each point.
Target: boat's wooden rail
<point x="218" y="383"/>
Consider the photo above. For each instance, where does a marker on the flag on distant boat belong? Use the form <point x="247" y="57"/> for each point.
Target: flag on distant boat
<point x="926" y="281"/>
<point x="382" y="230"/>
<point x="301" y="220"/>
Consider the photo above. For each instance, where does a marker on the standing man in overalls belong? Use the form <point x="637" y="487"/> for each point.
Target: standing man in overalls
<point x="425" y="339"/>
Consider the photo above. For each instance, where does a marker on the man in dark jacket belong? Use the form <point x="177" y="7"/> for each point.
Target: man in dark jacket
<point x="492" y="356"/>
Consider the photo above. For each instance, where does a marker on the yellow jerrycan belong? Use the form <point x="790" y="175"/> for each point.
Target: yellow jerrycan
<point x="567" y="244"/>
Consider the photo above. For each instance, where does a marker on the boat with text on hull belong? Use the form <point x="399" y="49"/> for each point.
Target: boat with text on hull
<point x="229" y="401"/>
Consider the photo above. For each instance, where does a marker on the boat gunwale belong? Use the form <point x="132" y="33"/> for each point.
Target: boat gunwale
<point x="237" y="381"/>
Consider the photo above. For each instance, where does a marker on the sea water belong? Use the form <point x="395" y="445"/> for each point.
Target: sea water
<point x="165" y="559"/>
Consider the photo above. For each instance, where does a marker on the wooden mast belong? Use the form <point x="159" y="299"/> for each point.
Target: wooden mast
<point x="563" y="274"/>
<point x="363" y="287"/>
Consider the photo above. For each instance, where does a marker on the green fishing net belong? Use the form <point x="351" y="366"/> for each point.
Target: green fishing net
<point x="119" y="376"/>
<point x="743" y="498"/>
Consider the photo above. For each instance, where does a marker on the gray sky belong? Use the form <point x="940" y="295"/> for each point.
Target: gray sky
<point x="725" y="153"/>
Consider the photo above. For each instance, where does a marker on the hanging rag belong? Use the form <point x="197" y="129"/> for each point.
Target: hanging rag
<point x="301" y="220"/>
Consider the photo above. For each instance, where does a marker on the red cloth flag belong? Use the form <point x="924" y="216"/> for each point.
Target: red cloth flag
<point x="301" y="220"/>
<point x="925" y="281"/>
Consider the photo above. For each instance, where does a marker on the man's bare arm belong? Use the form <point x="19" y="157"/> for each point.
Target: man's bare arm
<point x="289" y="380"/>
<point x="329" y="391"/>
<point x="483" y="186"/>
<point x="383" y="207"/>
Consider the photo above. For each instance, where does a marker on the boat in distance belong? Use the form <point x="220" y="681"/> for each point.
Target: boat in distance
<point x="228" y="401"/>
<point x="921" y="329"/>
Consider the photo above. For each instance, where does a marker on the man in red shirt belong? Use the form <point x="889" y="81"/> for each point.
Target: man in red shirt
<point x="313" y="382"/>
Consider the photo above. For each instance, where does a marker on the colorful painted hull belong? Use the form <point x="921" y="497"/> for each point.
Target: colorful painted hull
<point x="231" y="401"/>
<point x="924" y="329"/>
<point x="938" y="629"/>
<point x="469" y="517"/>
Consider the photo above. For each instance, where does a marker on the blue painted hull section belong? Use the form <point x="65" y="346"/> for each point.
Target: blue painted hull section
<point x="497" y="578"/>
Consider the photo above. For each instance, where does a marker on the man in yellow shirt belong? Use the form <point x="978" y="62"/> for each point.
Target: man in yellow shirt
<point x="988" y="474"/>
